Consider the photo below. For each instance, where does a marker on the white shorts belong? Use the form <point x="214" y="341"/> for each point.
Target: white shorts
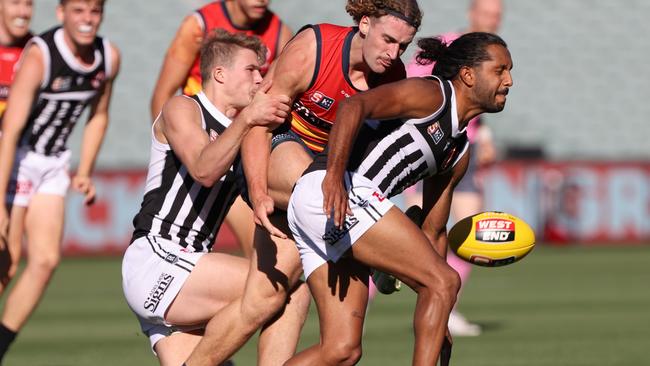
<point x="317" y="239"/>
<point x="36" y="173"/>
<point x="153" y="272"/>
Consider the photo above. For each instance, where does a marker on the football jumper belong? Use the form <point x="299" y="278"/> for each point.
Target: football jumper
<point x="176" y="207"/>
<point x="9" y="56"/>
<point x="215" y="15"/>
<point x="67" y="88"/>
<point x="383" y="163"/>
<point x="176" y="226"/>
<point x="314" y="110"/>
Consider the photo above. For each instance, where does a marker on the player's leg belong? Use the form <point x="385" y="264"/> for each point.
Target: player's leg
<point x="340" y="291"/>
<point x="282" y="325"/>
<point x="396" y="245"/>
<point x="240" y="220"/>
<point x="10" y="256"/>
<point x="273" y="275"/>
<point x="44" y="230"/>
<point x="216" y="280"/>
<point x="287" y="163"/>
<point x="10" y="259"/>
<point x="467" y="201"/>
<point x="173" y="350"/>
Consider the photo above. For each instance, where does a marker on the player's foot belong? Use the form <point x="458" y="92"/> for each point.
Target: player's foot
<point x="461" y="327"/>
<point x="385" y="283"/>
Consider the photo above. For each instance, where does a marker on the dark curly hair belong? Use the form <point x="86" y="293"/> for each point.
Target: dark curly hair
<point x="407" y="10"/>
<point x="468" y="50"/>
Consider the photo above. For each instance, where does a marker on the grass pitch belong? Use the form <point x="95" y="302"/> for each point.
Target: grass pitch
<point x="559" y="306"/>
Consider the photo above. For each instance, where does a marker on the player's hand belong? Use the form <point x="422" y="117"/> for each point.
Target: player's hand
<point x="4" y="227"/>
<point x="335" y="199"/>
<point x="266" y="109"/>
<point x="263" y="206"/>
<point x="85" y="186"/>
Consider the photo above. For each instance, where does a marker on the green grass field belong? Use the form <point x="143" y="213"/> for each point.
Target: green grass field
<point x="559" y="306"/>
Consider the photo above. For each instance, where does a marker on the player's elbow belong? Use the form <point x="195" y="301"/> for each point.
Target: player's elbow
<point x="207" y="178"/>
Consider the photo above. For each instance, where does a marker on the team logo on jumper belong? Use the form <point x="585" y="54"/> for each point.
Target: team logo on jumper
<point x="495" y="230"/>
<point x="213" y="135"/>
<point x="62" y="83"/>
<point x="97" y="81"/>
<point x="436" y="132"/>
<point x="158" y="291"/>
<point x="321" y="100"/>
<point x="334" y="234"/>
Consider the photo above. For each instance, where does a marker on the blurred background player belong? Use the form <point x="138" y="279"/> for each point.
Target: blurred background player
<point x="170" y="251"/>
<point x="180" y="69"/>
<point x="322" y="65"/>
<point x="15" y="17"/>
<point x="483" y="16"/>
<point x="62" y="71"/>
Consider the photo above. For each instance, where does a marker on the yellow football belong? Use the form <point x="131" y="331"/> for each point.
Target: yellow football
<point x="491" y="239"/>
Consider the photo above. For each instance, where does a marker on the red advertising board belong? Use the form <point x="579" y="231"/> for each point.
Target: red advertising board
<point x="572" y="202"/>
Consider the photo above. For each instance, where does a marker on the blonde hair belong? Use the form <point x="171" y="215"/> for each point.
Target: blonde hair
<point x="220" y="47"/>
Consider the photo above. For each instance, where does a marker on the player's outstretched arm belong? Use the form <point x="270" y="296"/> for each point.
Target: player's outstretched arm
<point x="389" y="101"/>
<point x="26" y="83"/>
<point x="177" y="63"/>
<point x="94" y="133"/>
<point x="290" y="75"/>
<point x="437" y="193"/>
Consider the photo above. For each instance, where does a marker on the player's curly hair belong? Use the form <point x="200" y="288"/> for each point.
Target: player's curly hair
<point x="219" y="48"/>
<point x="407" y="10"/>
<point x="468" y="50"/>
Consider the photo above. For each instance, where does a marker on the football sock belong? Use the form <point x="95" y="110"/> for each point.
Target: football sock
<point x="7" y="336"/>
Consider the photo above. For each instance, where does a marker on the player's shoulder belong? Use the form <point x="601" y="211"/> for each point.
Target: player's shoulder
<point x="179" y="109"/>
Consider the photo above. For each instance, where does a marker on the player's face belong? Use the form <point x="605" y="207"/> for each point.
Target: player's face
<point x="254" y="9"/>
<point x="81" y="20"/>
<point x="15" y="16"/>
<point x="386" y="38"/>
<point x="243" y="77"/>
<point x="493" y="79"/>
<point x="485" y="16"/>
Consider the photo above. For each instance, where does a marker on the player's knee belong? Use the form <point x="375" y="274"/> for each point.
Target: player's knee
<point x="441" y="285"/>
<point x="342" y="352"/>
<point x="44" y="263"/>
<point x="259" y="308"/>
<point x="301" y="297"/>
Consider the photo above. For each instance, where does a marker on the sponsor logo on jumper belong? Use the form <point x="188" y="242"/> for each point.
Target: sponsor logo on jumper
<point x="158" y="291"/>
<point x="495" y="230"/>
<point x="213" y="135"/>
<point x="62" y="83"/>
<point x="436" y="132"/>
<point x="321" y="100"/>
<point x="334" y="234"/>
